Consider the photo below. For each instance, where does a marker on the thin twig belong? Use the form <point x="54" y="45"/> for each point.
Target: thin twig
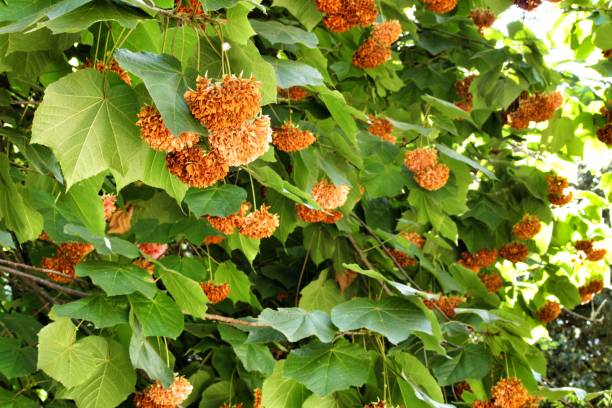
<point x="366" y="262"/>
<point x="44" y="282"/>
<point x="37" y="269"/>
<point x="231" y="320"/>
<point x="593" y="319"/>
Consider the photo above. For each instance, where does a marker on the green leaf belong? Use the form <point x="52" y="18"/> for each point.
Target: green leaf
<point x="163" y="77"/>
<point x="10" y="400"/>
<point x="103" y="311"/>
<point x="88" y="120"/>
<point x="341" y="399"/>
<point x="216" y="394"/>
<point x="338" y="107"/>
<point x="325" y="368"/>
<point x="603" y="36"/>
<point x="218" y="201"/>
<point x="239" y="282"/>
<point x="279" y="391"/>
<point x="472" y="362"/>
<point x="304" y="10"/>
<point x="186" y="292"/>
<point x="472" y="284"/>
<point x="375" y="170"/>
<point x="239" y="29"/>
<point x="83" y="202"/>
<point x="297" y="324"/>
<point x="413" y="370"/>
<point x="279" y="33"/>
<point x="62" y="357"/>
<point x="249" y="247"/>
<point x="254" y="357"/>
<point x="293" y="73"/>
<point x="18" y="215"/>
<point x="448" y="109"/>
<point x="116" y="279"/>
<point x="393" y="317"/>
<point x="113" y="380"/>
<point x="104" y="245"/>
<point x="83" y="17"/>
<point x="159" y="316"/>
<point x="320" y="294"/>
<point x="145" y="357"/>
<point x="458" y="156"/>
<point x="565" y="290"/>
<point x="15" y="360"/>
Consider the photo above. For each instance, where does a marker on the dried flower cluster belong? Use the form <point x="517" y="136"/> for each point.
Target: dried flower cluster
<point x="590" y="289"/>
<point x="144" y="264"/>
<point x="482" y="18"/>
<point x="428" y="173"/>
<point x="405" y="260"/>
<point x="445" y="304"/>
<point x="157" y="396"/>
<point x="109" y="203"/>
<point x="440" y="6"/>
<point x="463" y="91"/>
<point x="294" y="94"/>
<point x="227" y="224"/>
<point x="289" y="138"/>
<point x="556" y="188"/>
<point x="195" y="168"/>
<point x="592" y="253"/>
<point x="242" y="145"/>
<point x="492" y="281"/>
<point x="604" y="134"/>
<point x="112" y="66"/>
<point x="153" y="249"/>
<point x="213" y="239"/>
<point x="193" y="9"/>
<point x="67" y="256"/>
<point x="381" y="128"/>
<point x="215" y="293"/>
<point x="483" y="404"/>
<point x="509" y="393"/>
<point x="535" y="108"/>
<point x="527" y="228"/>
<point x="514" y="252"/>
<point x="155" y="133"/>
<point x="257" y="397"/>
<point x="342" y="15"/>
<point x="527" y="4"/>
<point x="328" y="195"/>
<point x="460" y="388"/>
<point x="259" y="224"/>
<point x="481" y="259"/>
<point x="549" y="312"/>
<point x="120" y="220"/>
<point x="376" y="49"/>
<point x="311" y="215"/>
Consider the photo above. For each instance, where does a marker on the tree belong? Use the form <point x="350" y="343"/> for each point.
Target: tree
<point x="298" y="203"/>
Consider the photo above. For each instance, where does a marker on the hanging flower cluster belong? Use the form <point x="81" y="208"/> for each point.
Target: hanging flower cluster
<point x="483" y="258"/>
<point x="156" y="396"/>
<point x="514" y="252"/>
<point x="440" y="6"/>
<point x="381" y="128"/>
<point x="342" y="15"/>
<point x="527" y="228"/>
<point x="483" y="404"/>
<point x="509" y="393"/>
<point x="215" y="293"/>
<point x="244" y="144"/>
<point x="604" y="134"/>
<point x="445" y="304"/>
<point x="311" y="215"/>
<point x="535" y="108"/>
<point x="329" y="197"/>
<point x="144" y="264"/>
<point x="227" y="224"/>
<point x="195" y="168"/>
<point x="255" y="225"/>
<point x="192" y="9"/>
<point x="294" y="93"/>
<point x="155" y="133"/>
<point x="463" y="91"/>
<point x="213" y="239"/>
<point x="527" y="4"/>
<point x="549" y="312"/>
<point x="482" y="18"/>
<point x="109" y="204"/>
<point x="402" y="258"/>
<point x="592" y="253"/>
<point x="376" y="49"/>
<point x="257" y="398"/>
<point x="590" y="289"/>
<point x="153" y="249"/>
<point x="67" y="256"/>
<point x="112" y="66"/>
<point x="289" y="138"/>
<point x="556" y="188"/>
<point x="492" y="281"/>
<point x="428" y="173"/>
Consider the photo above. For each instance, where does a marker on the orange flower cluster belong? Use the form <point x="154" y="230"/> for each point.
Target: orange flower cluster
<point x="556" y="186"/>
<point x="482" y="18"/>
<point x="311" y="215"/>
<point x="403" y="259"/>
<point x="376" y="50"/>
<point x="492" y="281"/>
<point x="509" y="393"/>
<point x="144" y="264"/>
<point x="109" y="204"/>
<point x="244" y="144"/>
<point x="112" y="66"/>
<point x="155" y="133"/>
<point x="527" y="4"/>
<point x="605" y="133"/>
<point x="68" y="255"/>
<point x="195" y="168"/>
<point x="483" y="404"/>
<point x="549" y="312"/>
<point x="428" y="173"/>
<point x="440" y="6"/>
<point x="527" y="228"/>
<point x="378" y="404"/>
<point x="153" y="249"/>
<point x="342" y="15"/>
<point x="381" y="128"/>
<point x="213" y="239"/>
<point x="257" y="397"/>
<point x="328" y="195"/>
<point x="534" y="108"/>
<point x="514" y="252"/>
<point x="445" y="304"/>
<point x="156" y="396"/>
<point x="592" y="254"/>
<point x="590" y="289"/>
<point x="294" y="94"/>
<point x="259" y="224"/>
<point x="215" y="293"/>
<point x="194" y="8"/>
<point x="289" y="138"/>
<point x="227" y="224"/>
<point x="460" y="388"/>
<point x="463" y="91"/>
<point x="481" y="259"/>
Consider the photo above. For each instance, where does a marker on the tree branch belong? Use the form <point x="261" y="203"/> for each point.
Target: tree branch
<point x="37" y="269"/>
<point x="231" y="320"/>
<point x="44" y="282"/>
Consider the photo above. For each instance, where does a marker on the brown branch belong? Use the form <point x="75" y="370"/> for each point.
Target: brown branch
<point x="37" y="269"/>
<point x="44" y="282"/>
<point x="231" y="320"/>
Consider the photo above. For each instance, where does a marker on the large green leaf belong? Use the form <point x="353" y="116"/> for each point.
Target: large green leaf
<point x="158" y="316"/>
<point x="102" y="310"/>
<point x="218" y="201"/>
<point x="293" y="73"/>
<point x="15" y="360"/>
<point x="297" y="324"/>
<point x="472" y="362"/>
<point x="88" y="119"/>
<point x="279" y="391"/>
<point x="304" y="10"/>
<point x="83" y="17"/>
<point x="254" y="357"/>
<point x="240" y="285"/>
<point x="393" y="317"/>
<point x="325" y="368"/>
<point x="279" y="33"/>
<point x="186" y="292"/>
<point x="145" y="357"/>
<point x="163" y="77"/>
<point x="423" y="385"/>
<point x="239" y="28"/>
<point x="83" y="202"/>
<point x="12" y="400"/>
<point x="117" y="279"/>
<point x="321" y="294"/>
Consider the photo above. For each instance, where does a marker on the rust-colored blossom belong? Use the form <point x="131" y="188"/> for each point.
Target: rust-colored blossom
<point x="213" y="239"/>
<point x="492" y="281"/>
<point x="120" y="220"/>
<point x="433" y="178"/>
<point x="294" y="93"/>
<point x="381" y="128"/>
<point x="388" y="32"/>
<point x="328" y="195"/>
<point x="535" y="108"/>
<point x="605" y="134"/>
<point x="509" y="393"/>
<point x="483" y="258"/>
<point x="144" y="264"/>
<point x="527" y="4"/>
<point x="172" y="396"/>
<point x="463" y="91"/>
<point x="527" y="228"/>
<point x="590" y="289"/>
<point x="440" y="6"/>
<point x="460" y="388"/>
<point x="197" y="169"/>
<point x="214" y="292"/>
<point x="596" y="254"/>
<point x="289" y="138"/>
<point x="420" y="159"/>
<point x="311" y="215"/>
<point x="68" y="255"/>
<point x="257" y="397"/>
<point x="259" y="224"/>
<point x="342" y="15"/>
<point x="371" y="54"/>
<point x="155" y="133"/>
<point x="111" y="66"/>
<point x="514" y="252"/>
<point x="556" y="188"/>
<point x="592" y="253"/>
<point x="227" y="224"/>
<point x="482" y="18"/>
<point x="242" y="145"/>
<point x="483" y="404"/>
<point x="445" y="304"/>
<point x="109" y="205"/>
<point x="549" y="312"/>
